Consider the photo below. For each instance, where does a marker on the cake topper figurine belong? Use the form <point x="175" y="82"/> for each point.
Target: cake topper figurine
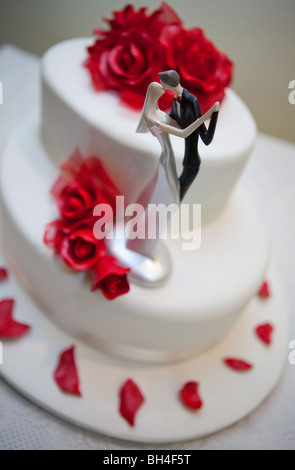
<point x="185" y="110"/>
<point x="185" y="120"/>
<point x="148" y="260"/>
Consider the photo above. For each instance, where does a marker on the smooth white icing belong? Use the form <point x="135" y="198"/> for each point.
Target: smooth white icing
<point x="208" y="288"/>
<point x="74" y="114"/>
<point x="206" y="293"/>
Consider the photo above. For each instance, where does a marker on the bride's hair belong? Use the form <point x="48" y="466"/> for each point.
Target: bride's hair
<point x="142" y="126"/>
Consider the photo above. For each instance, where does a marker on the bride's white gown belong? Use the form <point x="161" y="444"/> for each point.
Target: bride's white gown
<point x="163" y="188"/>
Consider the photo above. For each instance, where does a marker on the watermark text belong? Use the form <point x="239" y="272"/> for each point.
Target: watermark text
<point x="155" y="221"/>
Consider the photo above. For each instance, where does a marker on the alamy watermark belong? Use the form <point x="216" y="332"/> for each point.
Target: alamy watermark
<point x="292" y="94"/>
<point x="155" y="221"/>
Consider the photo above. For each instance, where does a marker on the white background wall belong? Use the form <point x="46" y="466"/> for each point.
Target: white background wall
<point x="258" y="35"/>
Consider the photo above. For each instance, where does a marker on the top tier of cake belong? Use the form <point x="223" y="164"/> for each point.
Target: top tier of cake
<point x="99" y="125"/>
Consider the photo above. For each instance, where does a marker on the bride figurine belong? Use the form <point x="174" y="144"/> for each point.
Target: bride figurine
<point x="148" y="259"/>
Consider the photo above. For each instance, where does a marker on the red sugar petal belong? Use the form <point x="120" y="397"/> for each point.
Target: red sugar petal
<point x="264" y="332"/>
<point x="190" y="396"/>
<point x="237" y="364"/>
<point x="65" y="374"/>
<point x="10" y="328"/>
<point x="3" y="274"/>
<point x="264" y="291"/>
<point x="131" y="399"/>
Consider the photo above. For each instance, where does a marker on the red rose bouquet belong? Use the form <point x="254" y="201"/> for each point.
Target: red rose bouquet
<point x="129" y="56"/>
<point x="82" y="185"/>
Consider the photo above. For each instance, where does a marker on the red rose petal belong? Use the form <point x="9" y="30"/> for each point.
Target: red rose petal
<point x="190" y="396"/>
<point x="237" y="364"/>
<point x="10" y="328"/>
<point x="264" y="332"/>
<point x="131" y="400"/>
<point x="3" y="274"/>
<point x="65" y="374"/>
<point x="168" y="15"/>
<point x="264" y="291"/>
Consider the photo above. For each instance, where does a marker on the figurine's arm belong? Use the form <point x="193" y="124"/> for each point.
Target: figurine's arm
<point x="168" y="126"/>
<point x="208" y="134"/>
<point x="172" y="122"/>
<point x="170" y="129"/>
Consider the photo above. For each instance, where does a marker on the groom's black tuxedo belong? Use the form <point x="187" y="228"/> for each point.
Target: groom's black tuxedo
<point x="189" y="112"/>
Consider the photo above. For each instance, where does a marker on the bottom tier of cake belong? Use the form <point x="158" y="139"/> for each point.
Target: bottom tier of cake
<point x="207" y="292"/>
<point x="228" y="395"/>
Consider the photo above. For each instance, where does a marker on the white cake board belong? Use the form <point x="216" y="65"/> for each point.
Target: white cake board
<point x="29" y="362"/>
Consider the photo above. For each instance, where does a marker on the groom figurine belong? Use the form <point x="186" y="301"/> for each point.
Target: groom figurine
<point x="185" y="110"/>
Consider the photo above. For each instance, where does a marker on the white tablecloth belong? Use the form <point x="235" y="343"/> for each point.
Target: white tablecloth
<point x="269" y="178"/>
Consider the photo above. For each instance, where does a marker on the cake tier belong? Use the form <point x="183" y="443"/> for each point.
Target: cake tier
<point x="206" y="293"/>
<point x="74" y="114"/>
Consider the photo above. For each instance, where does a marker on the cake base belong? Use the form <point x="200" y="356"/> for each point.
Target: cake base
<point x="228" y="396"/>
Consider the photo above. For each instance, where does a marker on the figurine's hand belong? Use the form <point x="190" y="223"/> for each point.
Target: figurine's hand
<point x="215" y="107"/>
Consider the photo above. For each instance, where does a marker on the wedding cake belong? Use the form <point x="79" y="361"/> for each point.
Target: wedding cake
<point x="211" y="282"/>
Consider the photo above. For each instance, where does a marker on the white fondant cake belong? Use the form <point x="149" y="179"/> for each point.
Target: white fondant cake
<point x="208" y="288"/>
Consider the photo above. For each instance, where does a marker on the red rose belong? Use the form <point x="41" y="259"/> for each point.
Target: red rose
<point x="77" y="199"/>
<point x="75" y="242"/>
<point x="129" y="56"/>
<point x="204" y="71"/>
<point x="110" y="277"/>
<point x="83" y="184"/>
<point x="79" y="248"/>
